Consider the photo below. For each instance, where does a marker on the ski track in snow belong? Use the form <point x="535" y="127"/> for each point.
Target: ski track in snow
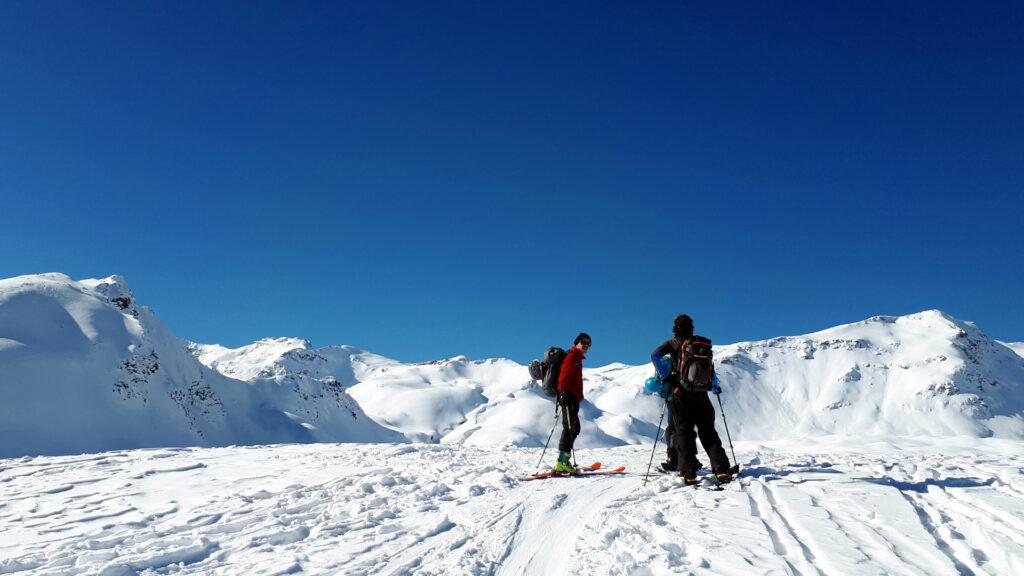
<point x="810" y="509"/>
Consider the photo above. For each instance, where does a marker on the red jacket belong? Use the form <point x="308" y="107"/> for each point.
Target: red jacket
<point x="570" y="379"/>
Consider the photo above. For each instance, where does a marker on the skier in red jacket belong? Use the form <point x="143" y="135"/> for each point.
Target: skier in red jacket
<point x="570" y="394"/>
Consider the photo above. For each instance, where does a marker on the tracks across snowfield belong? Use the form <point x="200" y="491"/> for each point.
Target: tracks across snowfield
<point x="831" y="507"/>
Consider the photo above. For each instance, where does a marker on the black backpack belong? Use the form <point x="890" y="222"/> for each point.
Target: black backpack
<point x="548" y="370"/>
<point x="696" y="367"/>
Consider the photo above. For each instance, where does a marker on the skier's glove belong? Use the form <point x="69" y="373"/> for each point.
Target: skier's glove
<point x="715" y="388"/>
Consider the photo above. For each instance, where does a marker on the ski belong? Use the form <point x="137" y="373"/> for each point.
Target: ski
<point x="592" y="470"/>
<point x="618" y="470"/>
<point x="582" y="474"/>
<point x="551" y="473"/>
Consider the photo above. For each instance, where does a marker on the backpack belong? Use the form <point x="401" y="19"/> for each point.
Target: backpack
<point x="548" y="370"/>
<point x="696" y="369"/>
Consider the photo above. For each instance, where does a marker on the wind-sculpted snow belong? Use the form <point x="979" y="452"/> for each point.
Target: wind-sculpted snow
<point x="842" y="507"/>
<point x="84" y="369"/>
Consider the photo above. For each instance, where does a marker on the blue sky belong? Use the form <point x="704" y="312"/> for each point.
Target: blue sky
<point x="427" y="179"/>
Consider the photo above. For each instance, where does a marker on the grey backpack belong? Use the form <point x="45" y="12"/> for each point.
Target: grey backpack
<point x="548" y="370"/>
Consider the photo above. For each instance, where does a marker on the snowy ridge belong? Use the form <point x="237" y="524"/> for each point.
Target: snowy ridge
<point x="111" y="376"/>
<point x="1017" y="347"/>
<point x="924" y="373"/>
<point x="921" y="374"/>
<point x="84" y="369"/>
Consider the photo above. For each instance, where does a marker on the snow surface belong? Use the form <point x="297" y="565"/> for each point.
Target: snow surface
<point x="847" y="506"/>
<point x="888" y="446"/>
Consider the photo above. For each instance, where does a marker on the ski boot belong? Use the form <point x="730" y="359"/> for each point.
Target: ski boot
<point x="564" y="464"/>
<point x="723" y="477"/>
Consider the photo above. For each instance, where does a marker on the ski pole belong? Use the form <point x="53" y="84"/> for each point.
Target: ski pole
<point x="550" y="434"/>
<point x="736" y="467"/>
<point x="656" y="437"/>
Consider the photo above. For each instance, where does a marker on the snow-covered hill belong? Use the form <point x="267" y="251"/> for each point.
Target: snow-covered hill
<point x="83" y="368"/>
<point x="922" y="374"/>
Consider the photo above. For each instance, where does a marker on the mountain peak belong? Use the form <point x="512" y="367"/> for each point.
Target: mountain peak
<point x="283" y="342"/>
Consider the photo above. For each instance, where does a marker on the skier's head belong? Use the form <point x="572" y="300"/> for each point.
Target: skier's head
<point x="682" y="327"/>
<point x="582" y="341"/>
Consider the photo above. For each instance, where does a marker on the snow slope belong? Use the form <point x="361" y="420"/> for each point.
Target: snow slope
<point x="453" y="401"/>
<point x="921" y="374"/>
<point x="1017" y="347"/>
<point x="835" y="507"/>
<point x="84" y="369"/>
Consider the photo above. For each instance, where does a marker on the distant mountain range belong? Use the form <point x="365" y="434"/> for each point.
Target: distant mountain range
<point x="84" y="368"/>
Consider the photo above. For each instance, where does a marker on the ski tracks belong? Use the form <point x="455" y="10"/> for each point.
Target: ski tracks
<point x="980" y="530"/>
<point x="923" y="516"/>
<point x="556" y="513"/>
<point x="431" y="510"/>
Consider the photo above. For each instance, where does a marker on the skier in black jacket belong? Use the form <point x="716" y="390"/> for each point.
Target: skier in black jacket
<point x="686" y="411"/>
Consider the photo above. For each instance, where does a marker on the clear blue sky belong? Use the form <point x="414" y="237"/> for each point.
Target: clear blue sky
<point x="427" y="179"/>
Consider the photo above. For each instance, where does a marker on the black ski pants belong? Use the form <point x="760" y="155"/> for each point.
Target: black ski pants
<point x="570" y="426"/>
<point x="670" y="445"/>
<point x="694" y="410"/>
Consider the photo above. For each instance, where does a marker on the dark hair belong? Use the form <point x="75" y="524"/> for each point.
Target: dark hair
<point x="582" y="336"/>
<point x="683" y="326"/>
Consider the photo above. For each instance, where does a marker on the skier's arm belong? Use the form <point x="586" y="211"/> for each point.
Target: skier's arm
<point x="656" y="357"/>
<point x="566" y="376"/>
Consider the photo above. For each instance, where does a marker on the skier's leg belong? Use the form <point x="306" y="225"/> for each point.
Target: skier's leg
<point x="685" y="440"/>
<point x="709" y="439"/>
<point x="575" y="420"/>
<point x="673" y="457"/>
<point x="565" y="440"/>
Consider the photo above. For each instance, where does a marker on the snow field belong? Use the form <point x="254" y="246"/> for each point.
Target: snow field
<point x="835" y="506"/>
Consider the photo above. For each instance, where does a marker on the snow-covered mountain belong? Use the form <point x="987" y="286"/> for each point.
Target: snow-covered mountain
<point x="83" y="368"/>
<point x="922" y="374"/>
